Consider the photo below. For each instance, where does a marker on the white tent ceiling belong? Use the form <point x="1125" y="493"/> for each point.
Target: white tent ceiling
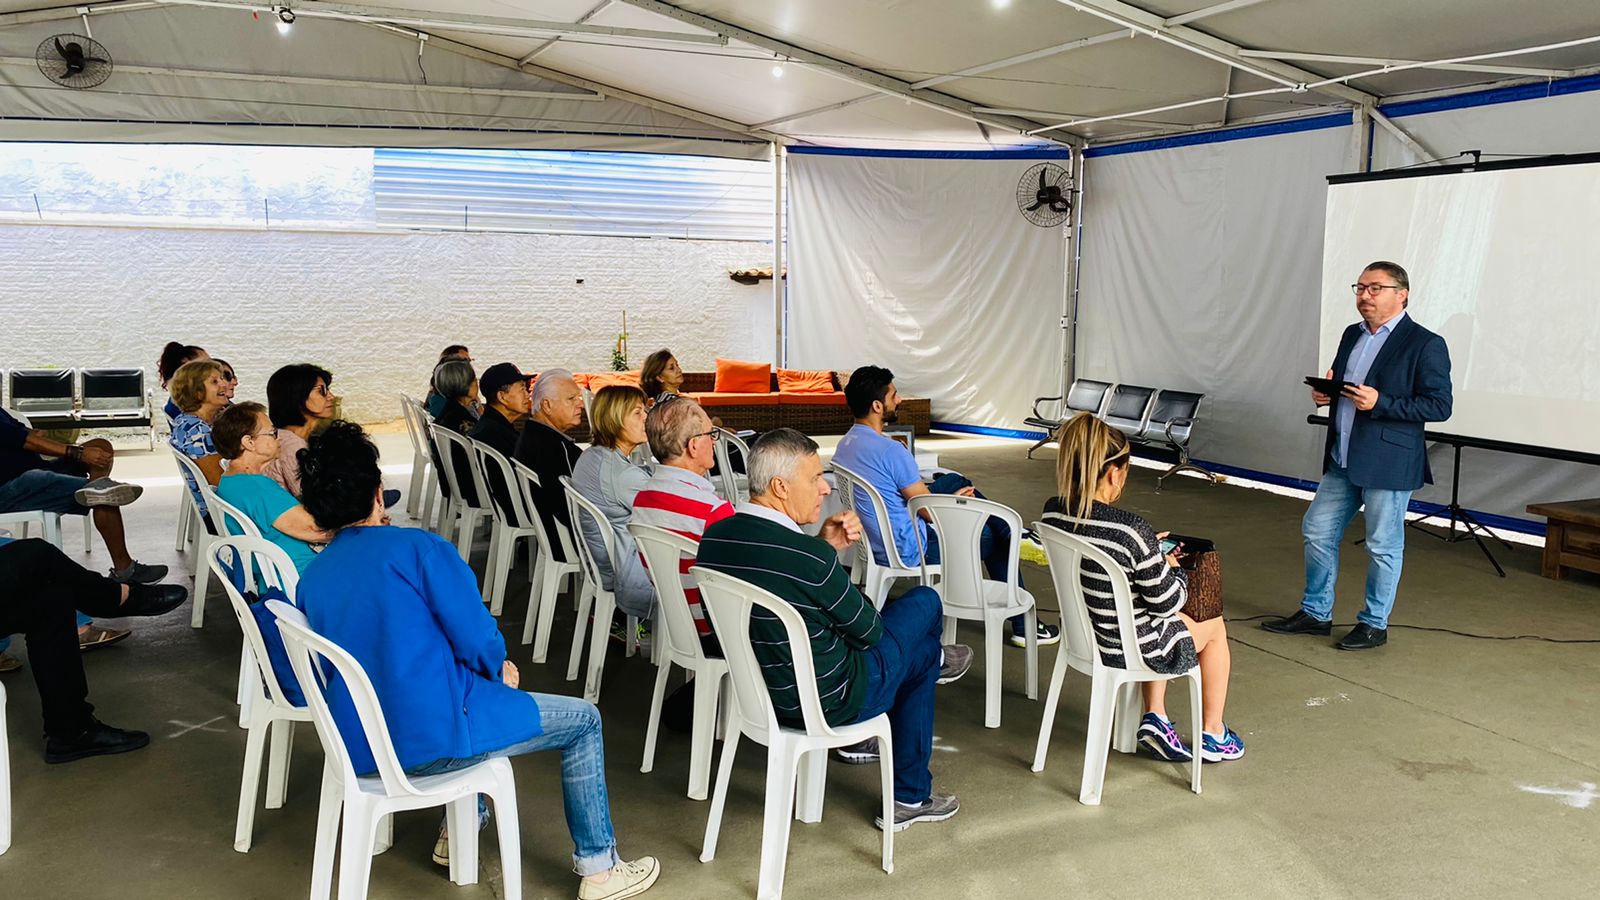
<point x="699" y="76"/>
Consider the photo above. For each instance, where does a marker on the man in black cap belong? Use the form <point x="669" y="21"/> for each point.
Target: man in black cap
<point x="506" y="405"/>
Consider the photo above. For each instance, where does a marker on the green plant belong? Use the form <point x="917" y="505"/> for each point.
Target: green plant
<point x="619" y="353"/>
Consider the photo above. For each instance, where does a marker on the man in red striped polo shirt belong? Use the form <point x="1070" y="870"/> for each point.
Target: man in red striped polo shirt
<point x="678" y="496"/>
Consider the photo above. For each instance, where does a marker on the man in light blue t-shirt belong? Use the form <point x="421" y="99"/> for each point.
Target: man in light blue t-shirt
<point x="892" y="470"/>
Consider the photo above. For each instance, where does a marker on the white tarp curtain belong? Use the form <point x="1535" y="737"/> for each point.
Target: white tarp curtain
<point x="923" y="264"/>
<point x="1202" y="270"/>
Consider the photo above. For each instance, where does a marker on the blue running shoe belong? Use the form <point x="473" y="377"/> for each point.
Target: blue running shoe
<point x="1159" y="739"/>
<point x="1218" y="749"/>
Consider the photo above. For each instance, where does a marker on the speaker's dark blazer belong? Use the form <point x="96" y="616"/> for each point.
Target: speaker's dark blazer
<point x="1412" y="377"/>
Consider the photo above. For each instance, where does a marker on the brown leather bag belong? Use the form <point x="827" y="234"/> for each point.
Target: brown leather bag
<point x="1205" y="585"/>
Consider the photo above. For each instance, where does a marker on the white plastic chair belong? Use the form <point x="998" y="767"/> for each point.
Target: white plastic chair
<point x="368" y="801"/>
<point x="460" y="518"/>
<point x="228" y="519"/>
<point x="730" y="602"/>
<point x="544" y="582"/>
<point x="605" y="601"/>
<point x="202" y="537"/>
<point x="20" y="521"/>
<point x="878" y="578"/>
<point x="1114" y="700"/>
<point x="423" y="477"/>
<point x="52" y="520"/>
<point x="967" y="593"/>
<point x="678" y="643"/>
<point x="735" y="487"/>
<point x="269" y="709"/>
<point x="513" y="522"/>
<point x="5" y="778"/>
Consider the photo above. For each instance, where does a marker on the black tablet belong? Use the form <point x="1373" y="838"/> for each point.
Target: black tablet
<point x="1333" y="387"/>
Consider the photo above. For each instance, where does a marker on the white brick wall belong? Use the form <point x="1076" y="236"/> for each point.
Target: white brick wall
<point x="373" y="308"/>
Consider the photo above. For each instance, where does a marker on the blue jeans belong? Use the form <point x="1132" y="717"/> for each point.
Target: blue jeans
<point x="571" y="725"/>
<point x="993" y="545"/>
<point x="1331" y="510"/>
<point x="902" y="669"/>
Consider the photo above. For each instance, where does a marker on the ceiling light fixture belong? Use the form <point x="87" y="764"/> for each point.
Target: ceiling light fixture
<point x="777" y="66"/>
<point x="285" y="19"/>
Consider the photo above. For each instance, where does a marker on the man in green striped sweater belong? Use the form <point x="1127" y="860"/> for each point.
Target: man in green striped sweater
<point x="867" y="663"/>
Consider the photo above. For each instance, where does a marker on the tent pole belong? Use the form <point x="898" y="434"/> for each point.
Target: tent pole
<point x="780" y="344"/>
<point x="1069" y="289"/>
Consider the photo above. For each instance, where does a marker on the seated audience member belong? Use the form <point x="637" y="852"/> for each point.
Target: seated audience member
<point x="867" y="663"/>
<point x="1091" y="473"/>
<point x="678" y="496"/>
<point x="299" y="399"/>
<point x="246" y="438"/>
<point x="172" y="358"/>
<point x="401" y="601"/>
<point x="892" y="470"/>
<point x="458" y="384"/>
<point x="606" y="476"/>
<point x="435" y="401"/>
<point x="661" y="377"/>
<point x="39" y="588"/>
<point x="201" y="392"/>
<point x="228" y="376"/>
<point x="544" y="447"/>
<point x="505" y="413"/>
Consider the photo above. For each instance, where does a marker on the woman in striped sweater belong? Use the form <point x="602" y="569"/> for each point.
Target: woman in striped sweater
<point x="1091" y="473"/>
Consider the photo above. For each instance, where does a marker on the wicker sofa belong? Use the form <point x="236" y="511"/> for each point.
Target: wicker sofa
<point x="811" y="413"/>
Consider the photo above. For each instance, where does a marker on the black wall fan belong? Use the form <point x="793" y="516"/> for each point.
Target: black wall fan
<point x="1044" y="195"/>
<point x="73" y="60"/>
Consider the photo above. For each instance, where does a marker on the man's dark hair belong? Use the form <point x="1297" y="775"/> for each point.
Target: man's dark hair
<point x="339" y="476"/>
<point x="288" y="389"/>
<point x="1395" y="271"/>
<point x="868" y="385"/>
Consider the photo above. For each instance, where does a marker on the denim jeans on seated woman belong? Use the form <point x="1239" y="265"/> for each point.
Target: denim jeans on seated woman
<point x="572" y="726"/>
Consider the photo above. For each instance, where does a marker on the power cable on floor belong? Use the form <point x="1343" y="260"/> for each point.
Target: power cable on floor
<point x="1465" y="634"/>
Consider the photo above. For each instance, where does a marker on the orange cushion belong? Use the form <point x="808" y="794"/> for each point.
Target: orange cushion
<point x="598" y="380"/>
<point x="740" y="398"/>
<point x="581" y="379"/>
<point x="739" y="377"/>
<point x="812" y="398"/>
<point x="803" y="381"/>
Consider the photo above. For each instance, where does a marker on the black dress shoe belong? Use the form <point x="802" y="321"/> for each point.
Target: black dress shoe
<point x="153" y="599"/>
<point x="99" y="739"/>
<point x="1299" y="623"/>
<point x="1363" y="637"/>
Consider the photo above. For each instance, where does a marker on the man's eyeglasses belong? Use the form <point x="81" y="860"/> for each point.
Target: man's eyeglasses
<point x="714" y="434"/>
<point x="1373" y="289"/>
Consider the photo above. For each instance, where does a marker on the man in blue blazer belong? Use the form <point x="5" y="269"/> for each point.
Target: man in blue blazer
<point x="1375" y="453"/>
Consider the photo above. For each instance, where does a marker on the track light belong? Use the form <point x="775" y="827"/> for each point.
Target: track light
<point x="777" y="67"/>
<point x="285" y="19"/>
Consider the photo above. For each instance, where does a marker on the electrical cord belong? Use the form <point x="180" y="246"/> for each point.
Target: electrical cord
<point x="1465" y="634"/>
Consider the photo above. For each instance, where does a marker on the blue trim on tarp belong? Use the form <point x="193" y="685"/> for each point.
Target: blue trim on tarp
<point x="1265" y="129"/>
<point x="1536" y="91"/>
<point x="1020" y="153"/>
<point x="1493" y="520"/>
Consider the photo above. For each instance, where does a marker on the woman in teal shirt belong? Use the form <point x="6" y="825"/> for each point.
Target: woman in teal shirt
<point x="244" y="436"/>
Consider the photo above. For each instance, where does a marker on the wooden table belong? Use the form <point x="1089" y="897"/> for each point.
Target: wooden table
<point x="1571" y="536"/>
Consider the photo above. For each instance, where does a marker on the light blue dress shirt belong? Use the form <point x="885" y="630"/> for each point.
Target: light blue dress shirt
<point x="1355" y="370"/>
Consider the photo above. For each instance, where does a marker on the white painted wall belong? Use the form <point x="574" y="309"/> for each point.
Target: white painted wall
<point x="374" y="308"/>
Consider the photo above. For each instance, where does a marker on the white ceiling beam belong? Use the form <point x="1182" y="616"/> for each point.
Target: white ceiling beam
<point x="597" y="10"/>
<point x="1380" y="61"/>
<point x="1213" y="48"/>
<point x="835" y="67"/>
<point x="354" y="12"/>
<point x="1421" y="150"/>
<point x="1209" y="11"/>
<point x="1023" y="58"/>
<point x="58" y="13"/>
<point x="336" y="83"/>
<point x="806" y="114"/>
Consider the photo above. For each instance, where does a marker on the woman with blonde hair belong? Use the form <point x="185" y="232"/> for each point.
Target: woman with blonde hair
<point x="200" y="389"/>
<point x="606" y="476"/>
<point x="1091" y="474"/>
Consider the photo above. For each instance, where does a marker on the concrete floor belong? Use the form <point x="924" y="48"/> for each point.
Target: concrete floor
<point x="1408" y="771"/>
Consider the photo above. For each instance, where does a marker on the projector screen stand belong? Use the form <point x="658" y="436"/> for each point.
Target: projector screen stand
<point x="1470" y="526"/>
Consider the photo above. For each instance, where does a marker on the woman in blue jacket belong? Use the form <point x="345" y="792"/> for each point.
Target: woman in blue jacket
<point x="402" y="602"/>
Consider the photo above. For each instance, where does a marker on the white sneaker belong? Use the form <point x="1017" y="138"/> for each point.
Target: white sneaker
<point x="628" y="879"/>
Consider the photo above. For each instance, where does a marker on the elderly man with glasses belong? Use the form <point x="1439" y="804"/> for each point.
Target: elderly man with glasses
<point x="1397" y="379"/>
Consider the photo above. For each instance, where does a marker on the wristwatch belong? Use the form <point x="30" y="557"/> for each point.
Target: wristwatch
<point x="75" y="452"/>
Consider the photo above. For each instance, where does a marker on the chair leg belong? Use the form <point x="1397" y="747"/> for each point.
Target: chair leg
<point x="706" y="690"/>
<point x="278" y="763"/>
<point x="510" y="835"/>
<point x="355" y="851"/>
<point x="1030" y="621"/>
<point x="329" y="806"/>
<point x="630" y="642"/>
<point x="183" y="525"/>
<point x="993" y="652"/>
<point x="781" y="765"/>
<point x="549" y="591"/>
<point x="1052" y="698"/>
<point x="466" y="530"/>
<point x="1045" y="440"/>
<point x="490" y="564"/>
<point x="429" y="491"/>
<point x="812" y="776"/>
<point x="535" y="595"/>
<point x="419" y="471"/>
<point x="1125" y="722"/>
<point x="255" y="742"/>
<point x="1195" y="712"/>
<point x="202" y="577"/>
<point x="580" y="628"/>
<point x="654" y="722"/>
<point x="88" y="530"/>
<point x="461" y="820"/>
<point x="949" y="631"/>
<point x="719" y="797"/>
<point x="250" y="685"/>
<point x="1097" y="746"/>
<point x="886" y="773"/>
<point x="599" y="633"/>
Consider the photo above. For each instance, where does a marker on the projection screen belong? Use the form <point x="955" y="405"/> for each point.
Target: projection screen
<point x="1504" y="262"/>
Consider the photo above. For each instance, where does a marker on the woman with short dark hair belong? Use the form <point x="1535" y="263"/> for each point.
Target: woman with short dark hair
<point x="402" y="602"/>
<point x="299" y="399"/>
<point x="172" y="358"/>
<point x="661" y="377"/>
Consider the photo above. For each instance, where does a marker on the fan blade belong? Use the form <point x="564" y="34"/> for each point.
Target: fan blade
<point x="95" y="59"/>
<point x="1041" y="179"/>
<point x="1061" y="206"/>
<point x="60" y="49"/>
<point x="1035" y="206"/>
